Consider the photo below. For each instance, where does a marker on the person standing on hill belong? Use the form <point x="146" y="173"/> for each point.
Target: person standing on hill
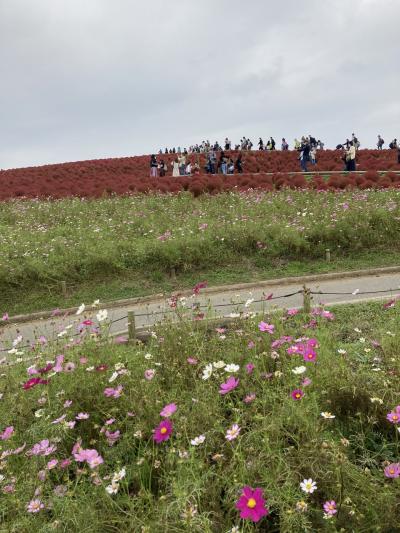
<point x="351" y="158"/>
<point x="175" y="168"/>
<point x="398" y="153"/>
<point x="238" y="164"/>
<point x="153" y="166"/>
<point x="284" y="145"/>
<point x="261" y="144"/>
<point x="380" y="143"/>
<point x="272" y="143"/>
<point x="304" y="154"/>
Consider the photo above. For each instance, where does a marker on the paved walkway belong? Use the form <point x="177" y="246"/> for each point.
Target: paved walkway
<point x="223" y="303"/>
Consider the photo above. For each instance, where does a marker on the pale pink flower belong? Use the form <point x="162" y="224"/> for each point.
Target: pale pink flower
<point x="168" y="410"/>
<point x="269" y="328"/>
<point x="113" y="393"/>
<point x="34" y="506"/>
<point x="82" y="416"/>
<point x="7" y="433"/>
<point x="149" y="374"/>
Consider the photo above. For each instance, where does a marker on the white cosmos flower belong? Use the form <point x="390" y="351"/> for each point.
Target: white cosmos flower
<point x="198" y="440"/>
<point x="327" y="415"/>
<point x="376" y="400"/>
<point x="219" y="364"/>
<point x="119" y="475"/>
<point x="308" y="485"/>
<point x="249" y="302"/>
<point x="80" y="310"/>
<point x="62" y="333"/>
<point x="341" y="351"/>
<point x="148" y="356"/>
<point x="102" y="315"/>
<point x="95" y="303"/>
<point x="299" y="370"/>
<point x="207" y="372"/>
<point x="232" y="368"/>
<point x="113" y="488"/>
<point x="113" y="377"/>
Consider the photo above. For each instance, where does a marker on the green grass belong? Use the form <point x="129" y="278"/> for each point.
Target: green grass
<point x="175" y="486"/>
<point x="132" y="285"/>
<point x="110" y="248"/>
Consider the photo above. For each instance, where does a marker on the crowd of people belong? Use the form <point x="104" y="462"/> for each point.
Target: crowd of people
<point x="218" y="162"/>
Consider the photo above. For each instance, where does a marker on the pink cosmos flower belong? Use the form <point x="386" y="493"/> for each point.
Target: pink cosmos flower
<point x="249" y="368"/>
<point x="42" y="448"/>
<point x="8" y="489"/>
<point x="69" y="367"/>
<point x="306" y="382"/>
<point x="101" y="368"/>
<point x="330" y="507"/>
<point x="113" y="393"/>
<point x="91" y="457"/>
<point x="292" y="312"/>
<point x="112" y="437"/>
<point x="251" y="504"/>
<point x="7" y="433"/>
<point x="249" y="398"/>
<point x="192" y="361"/>
<point x="65" y="463"/>
<point x="82" y="416"/>
<point x="269" y="328"/>
<point x="109" y="421"/>
<point x="83" y="360"/>
<point x="149" y="374"/>
<point x="233" y="432"/>
<point x="34" y="506"/>
<point x="5" y="317"/>
<point x="67" y="403"/>
<point x="168" y="410"/>
<point x="163" y="431"/>
<point x="297" y="394"/>
<point x="230" y="384"/>
<point x="251" y="344"/>
<point x="52" y="464"/>
<point x="59" y="420"/>
<point x="58" y="367"/>
<point x="393" y="470"/>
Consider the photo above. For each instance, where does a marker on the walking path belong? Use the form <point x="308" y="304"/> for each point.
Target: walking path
<point x="224" y="301"/>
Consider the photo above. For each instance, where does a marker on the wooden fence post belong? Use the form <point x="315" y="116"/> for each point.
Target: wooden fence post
<point x="131" y="326"/>
<point x="64" y="288"/>
<point x="306" y="300"/>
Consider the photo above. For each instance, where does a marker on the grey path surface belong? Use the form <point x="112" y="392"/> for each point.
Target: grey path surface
<point x="223" y="304"/>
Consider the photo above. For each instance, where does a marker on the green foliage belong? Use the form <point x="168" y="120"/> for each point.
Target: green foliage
<point x="175" y="486"/>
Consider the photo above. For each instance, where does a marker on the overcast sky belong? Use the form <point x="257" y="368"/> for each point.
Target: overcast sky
<point x="86" y="79"/>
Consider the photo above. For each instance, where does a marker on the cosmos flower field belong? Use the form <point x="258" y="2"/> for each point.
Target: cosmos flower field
<point x="282" y="422"/>
<point x="82" y="240"/>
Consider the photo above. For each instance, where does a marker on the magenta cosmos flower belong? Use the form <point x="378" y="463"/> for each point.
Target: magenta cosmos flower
<point x="230" y="384"/>
<point x="297" y="394"/>
<point x="251" y="504"/>
<point x="394" y="416"/>
<point x="163" y="431"/>
<point x="168" y="410"/>
<point x="330" y="507"/>
<point x="309" y="355"/>
<point x="392" y="470"/>
<point x="269" y="328"/>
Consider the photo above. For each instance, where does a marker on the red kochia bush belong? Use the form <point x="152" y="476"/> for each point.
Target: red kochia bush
<point x="125" y="175"/>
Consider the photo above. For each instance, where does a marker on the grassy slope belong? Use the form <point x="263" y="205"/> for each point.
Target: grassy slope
<point x="110" y="248"/>
<point x="280" y="443"/>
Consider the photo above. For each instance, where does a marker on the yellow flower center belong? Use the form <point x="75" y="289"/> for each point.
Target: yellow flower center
<point x="251" y="503"/>
<point x="395" y="417"/>
<point x="298" y="395"/>
<point x="163" y="431"/>
<point x="391" y="471"/>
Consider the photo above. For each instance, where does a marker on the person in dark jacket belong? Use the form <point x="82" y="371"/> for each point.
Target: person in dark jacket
<point x="238" y="164"/>
<point x="153" y="166"/>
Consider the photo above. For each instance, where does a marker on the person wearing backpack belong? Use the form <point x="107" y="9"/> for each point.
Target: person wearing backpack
<point x="380" y="142"/>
